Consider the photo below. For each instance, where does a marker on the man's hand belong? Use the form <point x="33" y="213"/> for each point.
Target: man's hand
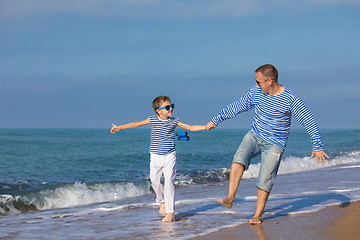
<point x="210" y="125"/>
<point x="320" y="155"/>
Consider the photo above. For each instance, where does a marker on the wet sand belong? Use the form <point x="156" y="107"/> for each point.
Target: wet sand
<point x="332" y="223"/>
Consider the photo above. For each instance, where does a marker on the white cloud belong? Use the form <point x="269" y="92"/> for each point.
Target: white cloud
<point x="160" y="9"/>
<point x="336" y="2"/>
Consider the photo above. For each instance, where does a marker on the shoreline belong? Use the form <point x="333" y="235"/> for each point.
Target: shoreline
<point x="333" y="222"/>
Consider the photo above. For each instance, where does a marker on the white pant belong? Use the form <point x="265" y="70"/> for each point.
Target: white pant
<point x="164" y="164"/>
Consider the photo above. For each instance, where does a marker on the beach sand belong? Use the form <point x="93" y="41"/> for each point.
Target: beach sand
<point x="332" y="223"/>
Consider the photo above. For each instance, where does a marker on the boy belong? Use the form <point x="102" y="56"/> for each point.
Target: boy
<point x="162" y="151"/>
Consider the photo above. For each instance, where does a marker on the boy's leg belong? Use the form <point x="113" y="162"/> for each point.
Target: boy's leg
<point x="155" y="177"/>
<point x="162" y="208"/>
<point x="169" y="189"/>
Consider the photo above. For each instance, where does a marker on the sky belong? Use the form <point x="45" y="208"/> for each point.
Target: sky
<point x="90" y="63"/>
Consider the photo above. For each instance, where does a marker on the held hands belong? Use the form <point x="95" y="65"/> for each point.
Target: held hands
<point x="320" y="155"/>
<point x="114" y="128"/>
<point x="210" y="125"/>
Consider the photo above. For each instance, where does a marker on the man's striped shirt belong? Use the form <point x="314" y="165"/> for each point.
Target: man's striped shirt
<point x="272" y="118"/>
<point x="162" y="135"/>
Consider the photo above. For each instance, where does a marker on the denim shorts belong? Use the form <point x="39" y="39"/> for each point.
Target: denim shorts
<point x="252" y="146"/>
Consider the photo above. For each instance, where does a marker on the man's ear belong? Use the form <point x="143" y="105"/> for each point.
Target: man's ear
<point x="272" y="81"/>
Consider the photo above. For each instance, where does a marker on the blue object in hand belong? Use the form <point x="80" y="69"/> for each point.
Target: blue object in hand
<point x="182" y="136"/>
<point x="186" y="138"/>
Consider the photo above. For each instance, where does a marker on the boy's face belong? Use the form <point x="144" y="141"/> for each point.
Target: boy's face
<point x="163" y="113"/>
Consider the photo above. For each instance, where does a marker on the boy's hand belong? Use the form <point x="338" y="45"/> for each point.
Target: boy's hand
<point x="210" y="125"/>
<point x="114" y="128"/>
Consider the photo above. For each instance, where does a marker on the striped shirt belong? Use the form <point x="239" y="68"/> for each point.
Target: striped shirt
<point x="162" y="135"/>
<point x="273" y="116"/>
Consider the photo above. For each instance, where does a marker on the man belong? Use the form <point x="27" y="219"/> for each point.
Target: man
<point x="274" y="104"/>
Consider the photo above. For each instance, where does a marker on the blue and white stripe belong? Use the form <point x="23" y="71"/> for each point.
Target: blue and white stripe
<point x="272" y="118"/>
<point x="162" y="135"/>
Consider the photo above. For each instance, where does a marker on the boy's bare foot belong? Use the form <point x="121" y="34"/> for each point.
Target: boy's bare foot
<point x="162" y="209"/>
<point x="169" y="217"/>
<point x="255" y="221"/>
<point x="226" y="202"/>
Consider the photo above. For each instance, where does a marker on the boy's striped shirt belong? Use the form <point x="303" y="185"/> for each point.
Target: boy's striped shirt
<point x="273" y="116"/>
<point x="162" y="135"/>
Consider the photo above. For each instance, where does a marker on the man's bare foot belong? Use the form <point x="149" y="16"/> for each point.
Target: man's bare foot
<point x="255" y="221"/>
<point x="226" y="202"/>
<point x="162" y="209"/>
<point x="169" y="217"/>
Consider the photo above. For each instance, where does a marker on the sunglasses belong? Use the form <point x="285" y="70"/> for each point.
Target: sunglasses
<point x="167" y="107"/>
<point x="259" y="83"/>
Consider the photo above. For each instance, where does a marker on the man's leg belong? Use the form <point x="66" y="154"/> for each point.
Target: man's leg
<point x="262" y="197"/>
<point x="236" y="172"/>
<point x="270" y="162"/>
<point x="247" y="150"/>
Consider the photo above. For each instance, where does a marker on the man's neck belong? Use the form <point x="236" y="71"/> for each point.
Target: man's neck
<point x="276" y="90"/>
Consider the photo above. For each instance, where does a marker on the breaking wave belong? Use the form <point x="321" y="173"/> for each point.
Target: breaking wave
<point x="78" y="193"/>
<point x="70" y="195"/>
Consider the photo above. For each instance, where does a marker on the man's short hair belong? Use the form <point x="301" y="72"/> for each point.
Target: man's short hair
<point x="269" y="71"/>
<point x="159" y="100"/>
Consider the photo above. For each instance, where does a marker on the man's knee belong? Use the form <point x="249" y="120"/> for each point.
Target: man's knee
<point x="263" y="190"/>
<point x="238" y="166"/>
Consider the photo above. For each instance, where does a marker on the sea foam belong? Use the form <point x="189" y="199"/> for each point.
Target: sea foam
<point x="78" y="193"/>
<point x="71" y="195"/>
<point x="296" y="164"/>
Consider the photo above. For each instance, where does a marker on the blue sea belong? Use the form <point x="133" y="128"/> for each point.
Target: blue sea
<point x="90" y="184"/>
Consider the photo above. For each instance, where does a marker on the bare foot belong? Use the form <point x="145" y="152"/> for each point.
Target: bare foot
<point x="255" y="221"/>
<point x="162" y="209"/>
<point x="226" y="202"/>
<point x="169" y="217"/>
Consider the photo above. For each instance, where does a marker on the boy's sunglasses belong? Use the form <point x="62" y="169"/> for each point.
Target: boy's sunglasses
<point x="167" y="107"/>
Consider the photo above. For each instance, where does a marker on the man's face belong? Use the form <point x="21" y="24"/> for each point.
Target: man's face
<point x="263" y="82"/>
